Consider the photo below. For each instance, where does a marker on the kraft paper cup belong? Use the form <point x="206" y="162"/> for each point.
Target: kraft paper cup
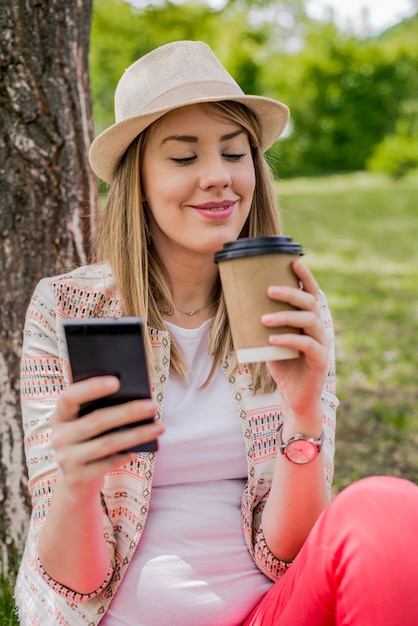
<point x="247" y="267"/>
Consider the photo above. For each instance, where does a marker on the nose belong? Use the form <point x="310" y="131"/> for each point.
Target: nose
<point x="215" y="173"/>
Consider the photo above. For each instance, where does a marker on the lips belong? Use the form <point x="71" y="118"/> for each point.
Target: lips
<point x="221" y="205"/>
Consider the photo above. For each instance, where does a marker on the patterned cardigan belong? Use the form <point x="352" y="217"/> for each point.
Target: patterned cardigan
<point x="90" y="292"/>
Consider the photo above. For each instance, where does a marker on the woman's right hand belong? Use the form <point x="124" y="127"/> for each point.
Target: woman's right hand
<point x="83" y="452"/>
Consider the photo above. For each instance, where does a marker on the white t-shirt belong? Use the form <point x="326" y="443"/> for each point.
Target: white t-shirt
<point x="192" y="567"/>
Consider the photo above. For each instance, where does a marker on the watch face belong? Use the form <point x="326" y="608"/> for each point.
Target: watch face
<point x="301" y="451"/>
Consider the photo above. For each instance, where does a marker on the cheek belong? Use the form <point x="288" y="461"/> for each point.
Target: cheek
<point x="164" y="197"/>
<point x="248" y="183"/>
<point x="165" y="187"/>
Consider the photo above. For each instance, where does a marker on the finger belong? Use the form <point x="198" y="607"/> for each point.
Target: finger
<point x="67" y="371"/>
<point x="80" y="476"/>
<point x="88" y="474"/>
<point x="306" y="277"/>
<point x="314" y="351"/>
<point x="84" y="391"/>
<point x="108" y="445"/>
<point x="305" y="321"/>
<point x="102" y="420"/>
<point x="117" y="442"/>
<point x="295" y="297"/>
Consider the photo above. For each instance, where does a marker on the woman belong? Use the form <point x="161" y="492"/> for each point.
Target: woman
<point x="198" y="532"/>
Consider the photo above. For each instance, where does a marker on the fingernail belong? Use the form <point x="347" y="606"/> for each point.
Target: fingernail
<point x="267" y="318"/>
<point x="110" y="381"/>
<point x="149" y="405"/>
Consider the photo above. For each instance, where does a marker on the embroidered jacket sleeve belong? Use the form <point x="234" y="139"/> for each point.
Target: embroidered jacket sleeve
<point x="257" y="489"/>
<point x="42" y="381"/>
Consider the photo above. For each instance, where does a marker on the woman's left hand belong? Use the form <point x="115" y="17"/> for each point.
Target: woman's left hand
<point x="300" y="380"/>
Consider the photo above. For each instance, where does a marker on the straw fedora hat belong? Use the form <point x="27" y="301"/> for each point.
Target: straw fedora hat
<point x="175" y="75"/>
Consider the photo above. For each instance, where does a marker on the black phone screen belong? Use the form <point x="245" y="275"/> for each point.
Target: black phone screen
<point x="102" y="346"/>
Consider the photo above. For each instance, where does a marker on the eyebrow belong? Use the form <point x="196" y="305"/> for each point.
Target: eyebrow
<point x="193" y="139"/>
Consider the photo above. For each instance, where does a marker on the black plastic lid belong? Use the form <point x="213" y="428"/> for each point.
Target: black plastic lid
<point x="253" y="246"/>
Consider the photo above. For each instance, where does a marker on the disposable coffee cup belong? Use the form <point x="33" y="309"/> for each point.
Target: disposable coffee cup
<point x="247" y="267"/>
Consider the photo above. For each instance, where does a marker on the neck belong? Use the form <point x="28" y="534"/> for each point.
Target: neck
<point x="192" y="283"/>
<point x="194" y="298"/>
<point x="192" y="308"/>
<point x="193" y="280"/>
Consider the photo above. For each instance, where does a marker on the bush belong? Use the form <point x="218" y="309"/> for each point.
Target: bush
<point x="396" y="155"/>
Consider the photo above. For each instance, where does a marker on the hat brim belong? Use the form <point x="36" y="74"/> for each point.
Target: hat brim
<point x="108" y="148"/>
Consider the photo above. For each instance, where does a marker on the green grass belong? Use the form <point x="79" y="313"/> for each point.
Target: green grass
<point x="8" y="616"/>
<point x="360" y="236"/>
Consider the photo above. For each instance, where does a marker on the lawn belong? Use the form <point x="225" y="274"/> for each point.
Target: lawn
<point x="360" y="236"/>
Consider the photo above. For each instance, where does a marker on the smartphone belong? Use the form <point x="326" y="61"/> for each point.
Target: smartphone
<point x="106" y="346"/>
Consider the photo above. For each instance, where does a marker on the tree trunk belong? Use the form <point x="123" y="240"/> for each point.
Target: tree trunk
<point x="48" y="196"/>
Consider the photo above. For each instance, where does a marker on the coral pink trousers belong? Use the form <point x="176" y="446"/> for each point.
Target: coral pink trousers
<point x="359" y="565"/>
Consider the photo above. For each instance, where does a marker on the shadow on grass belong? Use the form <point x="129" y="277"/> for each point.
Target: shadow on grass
<point x="380" y="437"/>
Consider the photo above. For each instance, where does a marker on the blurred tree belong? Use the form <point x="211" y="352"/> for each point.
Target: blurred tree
<point x="123" y="31"/>
<point x="121" y="34"/>
<point x="397" y="153"/>
<point x="345" y="96"/>
<point x="47" y="201"/>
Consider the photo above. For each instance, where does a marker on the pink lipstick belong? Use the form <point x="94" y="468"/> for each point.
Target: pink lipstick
<point x="221" y="209"/>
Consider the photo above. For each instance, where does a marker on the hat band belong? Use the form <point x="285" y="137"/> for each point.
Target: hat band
<point x="184" y="95"/>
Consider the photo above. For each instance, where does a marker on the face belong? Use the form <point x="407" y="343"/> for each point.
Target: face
<point x="198" y="181"/>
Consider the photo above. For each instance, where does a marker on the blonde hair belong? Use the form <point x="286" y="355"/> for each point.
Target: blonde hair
<point x="125" y="243"/>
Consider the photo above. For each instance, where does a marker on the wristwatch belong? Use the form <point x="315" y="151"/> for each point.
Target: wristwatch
<point x="300" y="449"/>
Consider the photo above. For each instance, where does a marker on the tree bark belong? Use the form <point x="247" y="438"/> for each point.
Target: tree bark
<point x="48" y="196"/>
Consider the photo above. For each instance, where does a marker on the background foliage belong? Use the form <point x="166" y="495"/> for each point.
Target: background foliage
<point x="354" y="101"/>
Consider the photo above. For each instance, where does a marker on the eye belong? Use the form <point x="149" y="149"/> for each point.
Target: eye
<point x="183" y="160"/>
<point x="235" y="157"/>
